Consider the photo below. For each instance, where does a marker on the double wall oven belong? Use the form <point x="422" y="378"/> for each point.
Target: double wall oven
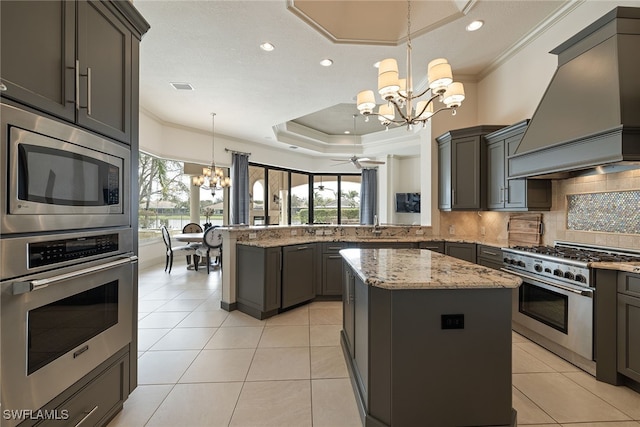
<point x="554" y="306"/>
<point x="68" y="263"/>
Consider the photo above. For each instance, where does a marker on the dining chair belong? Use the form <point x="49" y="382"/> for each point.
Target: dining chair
<point x="192" y="227"/>
<point x="212" y="246"/>
<point x="185" y="249"/>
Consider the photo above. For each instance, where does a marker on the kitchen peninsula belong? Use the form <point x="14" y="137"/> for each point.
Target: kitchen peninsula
<point x="427" y="338"/>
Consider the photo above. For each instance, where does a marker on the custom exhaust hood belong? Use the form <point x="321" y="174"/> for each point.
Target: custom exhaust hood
<point x="588" y="120"/>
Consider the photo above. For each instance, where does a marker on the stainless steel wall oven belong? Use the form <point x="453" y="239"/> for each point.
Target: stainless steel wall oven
<point x="68" y="261"/>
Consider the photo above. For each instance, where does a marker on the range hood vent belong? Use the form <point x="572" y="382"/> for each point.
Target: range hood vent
<point x="589" y="118"/>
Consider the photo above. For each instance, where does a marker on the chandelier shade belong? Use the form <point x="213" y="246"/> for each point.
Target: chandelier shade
<point x="397" y="94"/>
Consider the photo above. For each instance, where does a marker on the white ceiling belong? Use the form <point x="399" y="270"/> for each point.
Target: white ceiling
<point x="214" y="46"/>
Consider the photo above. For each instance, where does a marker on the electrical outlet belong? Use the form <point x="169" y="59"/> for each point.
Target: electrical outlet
<point x="452" y="229"/>
<point x="419" y="232"/>
<point x="328" y="232"/>
<point x="483" y="231"/>
<point x="319" y="233"/>
<point x="294" y="232"/>
<point x="452" y="321"/>
<point x="252" y="235"/>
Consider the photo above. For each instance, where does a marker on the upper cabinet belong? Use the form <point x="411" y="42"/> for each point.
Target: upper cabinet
<point x="82" y="64"/>
<point x="462" y="162"/>
<point x="512" y="194"/>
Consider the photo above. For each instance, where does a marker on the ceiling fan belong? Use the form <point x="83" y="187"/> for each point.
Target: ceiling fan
<point x="358" y="162"/>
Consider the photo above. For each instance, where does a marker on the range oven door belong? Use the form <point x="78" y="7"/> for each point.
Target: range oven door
<point x="561" y="313"/>
<point x="59" y="177"/>
<point x="58" y="326"/>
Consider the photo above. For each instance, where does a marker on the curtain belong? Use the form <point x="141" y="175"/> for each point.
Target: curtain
<point x="239" y="188"/>
<point x="368" y="195"/>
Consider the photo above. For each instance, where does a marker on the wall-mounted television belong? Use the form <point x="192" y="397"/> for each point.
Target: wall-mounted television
<point x="408" y="202"/>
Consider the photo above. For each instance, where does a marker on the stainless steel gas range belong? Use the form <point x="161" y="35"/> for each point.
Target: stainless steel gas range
<point x="554" y="306"/>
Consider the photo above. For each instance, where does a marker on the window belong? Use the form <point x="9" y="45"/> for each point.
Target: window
<point x="325" y="199"/>
<point x="299" y="198"/>
<point x="350" y="199"/>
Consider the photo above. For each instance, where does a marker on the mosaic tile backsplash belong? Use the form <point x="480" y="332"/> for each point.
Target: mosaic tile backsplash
<point x="614" y="212"/>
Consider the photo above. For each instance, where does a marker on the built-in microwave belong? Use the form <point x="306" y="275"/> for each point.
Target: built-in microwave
<point x="60" y="177"/>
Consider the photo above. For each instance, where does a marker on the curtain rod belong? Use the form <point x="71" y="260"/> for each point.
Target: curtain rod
<point x="236" y="152"/>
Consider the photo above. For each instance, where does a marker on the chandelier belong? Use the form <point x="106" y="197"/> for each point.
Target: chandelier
<point x="399" y="93"/>
<point x="212" y="177"/>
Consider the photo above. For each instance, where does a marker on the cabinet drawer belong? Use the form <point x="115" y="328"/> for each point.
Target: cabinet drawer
<point x="332" y="247"/>
<point x="629" y="284"/>
<point x="489" y="253"/>
<point x="97" y="402"/>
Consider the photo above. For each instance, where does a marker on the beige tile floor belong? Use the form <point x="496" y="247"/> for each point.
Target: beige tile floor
<point x="202" y="366"/>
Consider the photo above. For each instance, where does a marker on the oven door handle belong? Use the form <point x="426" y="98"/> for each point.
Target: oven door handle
<point x="583" y="292"/>
<point x="34" y="285"/>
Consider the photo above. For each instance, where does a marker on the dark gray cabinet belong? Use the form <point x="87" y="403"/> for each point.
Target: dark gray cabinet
<point x="462" y="166"/>
<point x="629" y="325"/>
<point x="331" y="277"/>
<point x="489" y="256"/>
<point x="387" y="245"/>
<point x="348" y="308"/>
<point x="435" y="246"/>
<point x="258" y="277"/>
<point x="298" y="274"/>
<point x="512" y="194"/>
<point x="75" y="60"/>
<point x="464" y="251"/>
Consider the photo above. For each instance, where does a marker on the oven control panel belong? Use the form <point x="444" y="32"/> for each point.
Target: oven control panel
<point x="557" y="270"/>
<point x="56" y="251"/>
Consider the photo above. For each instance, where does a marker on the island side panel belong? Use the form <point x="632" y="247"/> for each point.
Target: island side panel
<point x="380" y="383"/>
<point x="456" y="377"/>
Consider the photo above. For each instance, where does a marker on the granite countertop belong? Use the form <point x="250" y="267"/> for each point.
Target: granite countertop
<point x="418" y="269"/>
<point x="300" y="240"/>
<point x="629" y="267"/>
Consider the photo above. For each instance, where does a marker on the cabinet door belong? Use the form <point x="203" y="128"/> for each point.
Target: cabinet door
<point x="331" y="274"/>
<point x="432" y="246"/>
<point x="629" y="336"/>
<point x="464" y="251"/>
<point x="38" y="54"/>
<point x="298" y="274"/>
<point x="104" y="58"/>
<point x="272" y="279"/>
<point x="348" y="310"/>
<point x="444" y="175"/>
<point x="495" y="167"/>
<point x="361" y="329"/>
<point x="516" y="193"/>
<point x="465" y="154"/>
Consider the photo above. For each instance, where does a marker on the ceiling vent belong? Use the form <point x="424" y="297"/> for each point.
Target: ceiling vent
<point x="181" y="86"/>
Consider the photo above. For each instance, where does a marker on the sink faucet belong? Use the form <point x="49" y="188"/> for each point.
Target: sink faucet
<point x="376" y="226"/>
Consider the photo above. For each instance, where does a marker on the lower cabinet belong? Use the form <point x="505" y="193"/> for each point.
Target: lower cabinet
<point x="629" y="325"/>
<point x="464" y="251"/>
<point x="435" y="246"/>
<point x="331" y="277"/>
<point x="298" y="274"/>
<point x="94" y="400"/>
<point x="489" y="256"/>
<point x="258" y="276"/>
<point x="348" y="309"/>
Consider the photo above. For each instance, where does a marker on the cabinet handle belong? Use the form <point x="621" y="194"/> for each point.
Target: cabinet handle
<point x="501" y="194"/>
<point x="77" y="84"/>
<point x="335" y="256"/>
<point x="302" y="248"/>
<point x="453" y="196"/>
<point x="89" y="91"/>
<point x="506" y="194"/>
<point x="3" y="87"/>
<point x="490" y="253"/>
<point x="87" y="416"/>
<point x="335" y="248"/>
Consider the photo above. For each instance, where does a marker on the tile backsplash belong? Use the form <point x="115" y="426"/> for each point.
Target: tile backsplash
<point x="613" y="212"/>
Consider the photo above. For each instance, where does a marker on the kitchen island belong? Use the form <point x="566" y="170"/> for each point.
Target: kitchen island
<point x="427" y="338"/>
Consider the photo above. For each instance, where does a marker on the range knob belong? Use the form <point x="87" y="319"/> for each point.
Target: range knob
<point x="558" y="272"/>
<point x="521" y="264"/>
<point x="538" y="268"/>
<point x="569" y="275"/>
<point x="580" y="278"/>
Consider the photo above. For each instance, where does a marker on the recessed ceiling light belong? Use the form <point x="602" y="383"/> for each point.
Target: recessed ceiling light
<point x="181" y="86"/>
<point x="266" y="46"/>
<point x="347" y="132"/>
<point x="293" y="147"/>
<point x="326" y="62"/>
<point x="475" y="25"/>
